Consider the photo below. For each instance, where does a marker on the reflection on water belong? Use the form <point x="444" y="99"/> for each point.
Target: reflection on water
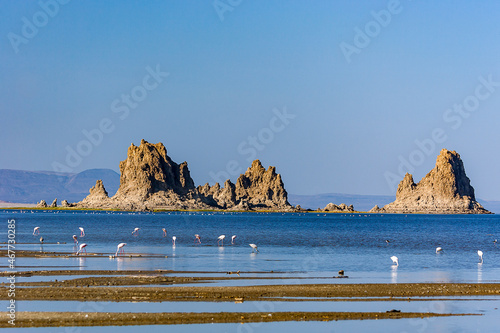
<point x="394" y="274"/>
<point x="480" y="272"/>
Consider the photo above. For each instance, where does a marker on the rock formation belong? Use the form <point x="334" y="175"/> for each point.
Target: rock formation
<point x="340" y="208"/>
<point x="65" y="203"/>
<point x="54" y="203"/>
<point x="150" y="179"/>
<point x="257" y="188"/>
<point x="42" y="204"/>
<point x="444" y="190"/>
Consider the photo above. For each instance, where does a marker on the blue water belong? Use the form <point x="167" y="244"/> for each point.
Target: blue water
<point x="306" y="245"/>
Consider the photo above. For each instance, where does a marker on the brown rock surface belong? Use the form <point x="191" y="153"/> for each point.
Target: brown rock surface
<point x="42" y="204"/>
<point x="340" y="208"/>
<point x="151" y="180"/>
<point x="445" y="189"/>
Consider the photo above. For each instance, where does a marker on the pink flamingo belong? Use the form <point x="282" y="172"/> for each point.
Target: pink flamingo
<point x="221" y="238"/>
<point x="197" y="238"/>
<point x="164" y="232"/>
<point x="136" y="231"/>
<point x="75" y="239"/>
<point x="82" y="247"/>
<point x="119" y="248"/>
<point x="232" y="239"/>
<point x="82" y="232"/>
<point x="36" y="231"/>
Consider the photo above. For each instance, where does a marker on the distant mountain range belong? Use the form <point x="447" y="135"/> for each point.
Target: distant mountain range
<point x="32" y="186"/>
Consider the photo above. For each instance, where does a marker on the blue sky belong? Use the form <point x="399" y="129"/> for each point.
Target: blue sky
<point x="270" y="79"/>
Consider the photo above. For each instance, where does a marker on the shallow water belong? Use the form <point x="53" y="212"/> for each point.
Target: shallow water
<point x="315" y="244"/>
<point x="295" y="245"/>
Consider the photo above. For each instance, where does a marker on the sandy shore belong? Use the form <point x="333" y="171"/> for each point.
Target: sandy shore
<point x="56" y="319"/>
<point x="251" y="293"/>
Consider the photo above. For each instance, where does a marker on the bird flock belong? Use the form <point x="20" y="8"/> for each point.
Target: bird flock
<point x="197" y="239"/>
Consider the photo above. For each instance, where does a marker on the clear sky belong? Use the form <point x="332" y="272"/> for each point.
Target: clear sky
<point x="333" y="93"/>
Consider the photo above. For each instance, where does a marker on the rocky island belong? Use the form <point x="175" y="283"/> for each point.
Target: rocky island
<point x="151" y="180"/>
<point x="446" y="189"/>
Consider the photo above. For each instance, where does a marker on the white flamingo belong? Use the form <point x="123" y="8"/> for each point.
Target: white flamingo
<point x="173" y="240"/>
<point x="395" y="260"/>
<point x="480" y="254"/>
<point x="75" y="239"/>
<point x="82" y="247"/>
<point x="232" y="239"/>
<point x="221" y="238"/>
<point x="254" y="247"/>
<point x="197" y="238"/>
<point x="136" y="231"/>
<point x="36" y="231"/>
<point x="439" y="249"/>
<point x="119" y="248"/>
<point x="82" y="232"/>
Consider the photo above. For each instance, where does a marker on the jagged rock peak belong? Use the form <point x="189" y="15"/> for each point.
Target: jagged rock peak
<point x="98" y="190"/>
<point x="54" y="203"/>
<point x="445" y="189"/>
<point x="148" y="169"/>
<point x="42" y="204"/>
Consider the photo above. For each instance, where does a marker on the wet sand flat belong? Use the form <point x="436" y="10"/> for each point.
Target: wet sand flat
<point x="254" y="293"/>
<point x="57" y="319"/>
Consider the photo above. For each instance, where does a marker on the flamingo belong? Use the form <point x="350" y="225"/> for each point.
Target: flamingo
<point x="173" y="240"/>
<point x="197" y="238"/>
<point x="395" y="260"/>
<point x="254" y="247"/>
<point x="75" y="239"/>
<point x="480" y="254"/>
<point x="82" y="232"/>
<point x="232" y="239"/>
<point x="439" y="249"/>
<point x="164" y="232"/>
<point x="36" y="231"/>
<point x="136" y="231"/>
<point x="221" y="238"/>
<point x="82" y="247"/>
<point x="120" y="249"/>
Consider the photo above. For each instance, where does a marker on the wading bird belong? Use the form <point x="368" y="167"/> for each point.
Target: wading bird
<point x="41" y="240"/>
<point x="75" y="239"/>
<point x="221" y="238"/>
<point x="136" y="231"/>
<point x="36" y="231"/>
<point x="480" y="254"/>
<point x="232" y="239"/>
<point x="164" y="232"/>
<point x="395" y="260"/>
<point x="82" y="247"/>
<point x="254" y="247"/>
<point x="119" y="248"/>
<point x="439" y="249"/>
<point x="197" y="238"/>
<point x="173" y="240"/>
<point x="82" y="232"/>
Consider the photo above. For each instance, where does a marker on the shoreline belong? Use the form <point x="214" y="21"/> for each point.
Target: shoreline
<point x="65" y="319"/>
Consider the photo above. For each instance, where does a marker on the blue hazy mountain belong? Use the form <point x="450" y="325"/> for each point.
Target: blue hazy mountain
<point x="33" y="186"/>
